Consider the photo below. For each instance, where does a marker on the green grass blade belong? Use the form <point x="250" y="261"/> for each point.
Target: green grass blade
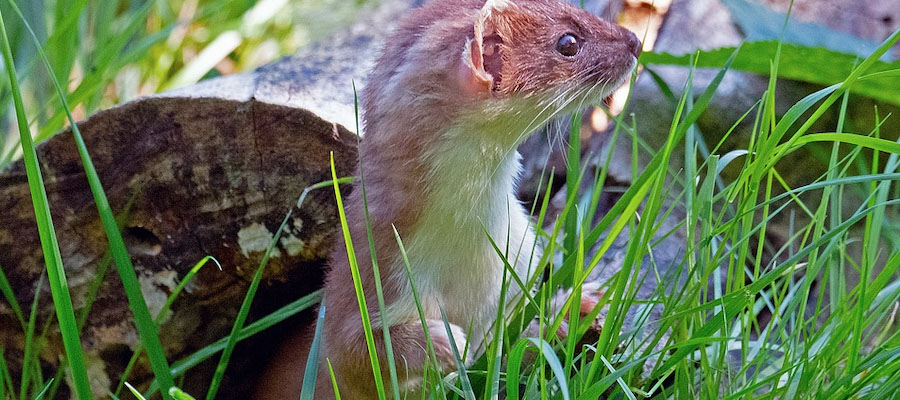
<point x="809" y="64"/>
<point x="52" y="258"/>
<point x="859" y="140"/>
<point x="283" y="313"/>
<point x="513" y="367"/>
<point x="179" y="394"/>
<point x="29" y="341"/>
<point x="142" y="319"/>
<point x="467" y="391"/>
<point x="162" y="315"/>
<point x="311" y="372"/>
<point x="6" y="383"/>
<point x="135" y="392"/>
<point x="244" y="311"/>
<point x="573" y="180"/>
<point x="494" y="351"/>
<point x="621" y="382"/>
<point x="109" y="56"/>
<point x="357" y="285"/>
<point x="550" y="357"/>
<point x="43" y="391"/>
<point x="845" y="85"/>
<point x="415" y="292"/>
<point x="735" y="301"/>
<point x="10" y="297"/>
<point x="181" y="285"/>
<point x="376" y="273"/>
<point x="337" y="392"/>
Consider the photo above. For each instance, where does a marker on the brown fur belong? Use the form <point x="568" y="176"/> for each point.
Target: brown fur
<point x="413" y="95"/>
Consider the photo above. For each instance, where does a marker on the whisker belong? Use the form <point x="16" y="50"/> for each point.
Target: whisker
<point x="556" y="104"/>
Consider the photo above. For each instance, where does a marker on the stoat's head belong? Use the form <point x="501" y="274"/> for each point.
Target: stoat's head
<point x="458" y="62"/>
<point x="532" y="48"/>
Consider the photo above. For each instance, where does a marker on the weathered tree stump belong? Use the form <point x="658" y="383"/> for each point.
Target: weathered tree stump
<point x="210" y="169"/>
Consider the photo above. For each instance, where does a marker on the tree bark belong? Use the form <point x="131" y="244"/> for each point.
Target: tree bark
<point x="209" y="169"/>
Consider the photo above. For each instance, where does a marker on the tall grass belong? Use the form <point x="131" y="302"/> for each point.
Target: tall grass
<point x="49" y="245"/>
<point x="738" y="316"/>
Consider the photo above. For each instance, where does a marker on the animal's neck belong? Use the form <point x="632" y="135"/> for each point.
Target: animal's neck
<point x="461" y="174"/>
<point x="470" y="181"/>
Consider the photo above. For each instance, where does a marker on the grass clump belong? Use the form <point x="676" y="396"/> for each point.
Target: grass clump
<point x="738" y="316"/>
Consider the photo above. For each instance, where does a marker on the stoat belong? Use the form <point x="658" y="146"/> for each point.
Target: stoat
<point x="460" y="85"/>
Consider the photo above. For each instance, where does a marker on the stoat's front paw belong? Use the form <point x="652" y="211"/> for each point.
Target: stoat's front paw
<point x="442" y="342"/>
<point x="590" y="297"/>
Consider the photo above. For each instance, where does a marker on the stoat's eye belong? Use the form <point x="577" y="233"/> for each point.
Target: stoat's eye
<point x="567" y="45"/>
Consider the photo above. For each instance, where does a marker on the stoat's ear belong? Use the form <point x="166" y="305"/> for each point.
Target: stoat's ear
<point x="482" y="62"/>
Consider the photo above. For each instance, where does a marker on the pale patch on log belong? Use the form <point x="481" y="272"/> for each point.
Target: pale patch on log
<point x="256" y="238"/>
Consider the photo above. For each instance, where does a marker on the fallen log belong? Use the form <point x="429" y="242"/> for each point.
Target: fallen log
<point x="209" y="169"/>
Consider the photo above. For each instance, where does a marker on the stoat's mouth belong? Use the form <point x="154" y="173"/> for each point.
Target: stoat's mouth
<point x="604" y="89"/>
<point x="604" y="80"/>
<point x="623" y="76"/>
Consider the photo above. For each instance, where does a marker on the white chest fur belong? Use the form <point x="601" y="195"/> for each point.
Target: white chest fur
<point x="454" y="266"/>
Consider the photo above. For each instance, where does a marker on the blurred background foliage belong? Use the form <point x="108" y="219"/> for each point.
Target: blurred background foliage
<point x="112" y="51"/>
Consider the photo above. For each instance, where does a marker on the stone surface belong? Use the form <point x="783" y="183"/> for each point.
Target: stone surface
<point x="874" y="20"/>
